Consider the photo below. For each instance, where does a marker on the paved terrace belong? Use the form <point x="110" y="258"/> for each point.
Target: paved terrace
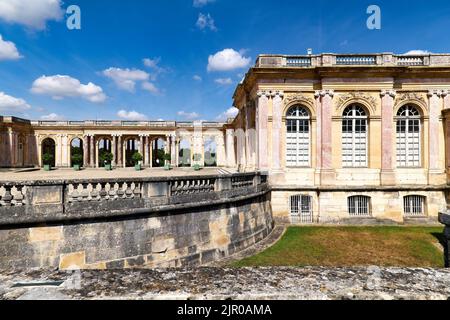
<point x="364" y="283"/>
<point x="66" y="174"/>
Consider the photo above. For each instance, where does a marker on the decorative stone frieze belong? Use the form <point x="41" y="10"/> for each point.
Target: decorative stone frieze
<point x="362" y="97"/>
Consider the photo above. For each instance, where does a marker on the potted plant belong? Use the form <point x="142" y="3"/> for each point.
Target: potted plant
<point x="197" y="157"/>
<point x="137" y="158"/>
<point x="47" y="159"/>
<point x="77" y="159"/>
<point x="107" y="158"/>
<point x="167" y="159"/>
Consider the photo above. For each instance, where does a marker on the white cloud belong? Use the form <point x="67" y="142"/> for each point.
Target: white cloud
<point x="197" y="78"/>
<point x="201" y="3"/>
<point x="126" y="78"/>
<point x="150" y="87"/>
<point x="230" y="113"/>
<point x="227" y="59"/>
<point x="52" y="117"/>
<point x="60" y="86"/>
<point x="8" y="50"/>
<point x="417" y="52"/>
<point x="205" y="22"/>
<point x="188" y="115"/>
<point x="31" y="13"/>
<point x="12" y="104"/>
<point x="154" y="65"/>
<point x="223" y="81"/>
<point x="131" y="115"/>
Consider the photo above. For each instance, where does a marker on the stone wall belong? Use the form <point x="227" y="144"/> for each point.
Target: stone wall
<point x="171" y="230"/>
<point x="386" y="204"/>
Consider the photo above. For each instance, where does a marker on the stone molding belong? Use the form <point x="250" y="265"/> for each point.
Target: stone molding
<point x="356" y="97"/>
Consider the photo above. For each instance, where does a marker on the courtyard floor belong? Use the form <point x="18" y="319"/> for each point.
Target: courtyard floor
<point x="61" y="174"/>
<point x="353" y="246"/>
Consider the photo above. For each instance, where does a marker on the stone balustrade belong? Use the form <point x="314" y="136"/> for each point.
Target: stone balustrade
<point x="52" y="201"/>
<point x="376" y="59"/>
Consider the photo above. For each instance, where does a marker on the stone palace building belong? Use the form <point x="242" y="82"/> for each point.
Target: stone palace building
<point x="344" y="138"/>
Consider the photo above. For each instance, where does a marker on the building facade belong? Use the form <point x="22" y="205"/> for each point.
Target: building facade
<point x="348" y="137"/>
<point x="345" y="138"/>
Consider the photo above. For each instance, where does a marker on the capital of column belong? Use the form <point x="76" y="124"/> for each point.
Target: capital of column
<point x="439" y="93"/>
<point x="391" y="93"/>
<point x="323" y="93"/>
<point x="264" y="93"/>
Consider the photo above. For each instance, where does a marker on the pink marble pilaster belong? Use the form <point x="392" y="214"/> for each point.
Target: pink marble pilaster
<point x="434" y="102"/>
<point x="318" y="106"/>
<point x="276" y="129"/>
<point x="85" y="151"/>
<point x="326" y="125"/>
<point x="92" y="151"/>
<point x="262" y="119"/>
<point x="387" y="116"/>
<point x="231" y="162"/>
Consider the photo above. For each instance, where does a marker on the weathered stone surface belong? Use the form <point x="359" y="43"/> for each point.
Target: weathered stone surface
<point x="228" y="283"/>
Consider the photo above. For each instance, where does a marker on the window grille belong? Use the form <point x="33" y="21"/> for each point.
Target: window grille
<point x="298" y="137"/>
<point x="300" y="209"/>
<point x="354" y="137"/>
<point x="359" y="206"/>
<point x="414" y="206"/>
<point x="408" y="137"/>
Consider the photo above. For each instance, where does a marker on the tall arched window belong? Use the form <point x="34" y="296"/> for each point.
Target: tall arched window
<point x="298" y="137"/>
<point x="354" y="137"/>
<point x="408" y="137"/>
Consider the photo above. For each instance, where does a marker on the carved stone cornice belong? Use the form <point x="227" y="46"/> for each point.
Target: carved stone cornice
<point x="410" y="96"/>
<point x="361" y="97"/>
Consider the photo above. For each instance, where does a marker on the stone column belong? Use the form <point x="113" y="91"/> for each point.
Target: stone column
<point x="58" y="147"/>
<point x="173" y="150"/>
<point x="39" y="150"/>
<point x="114" y="150"/>
<point x="85" y="151"/>
<point x="446" y="95"/>
<point x="119" y="150"/>
<point x="387" y="176"/>
<point x="92" y="151"/>
<point x="277" y="110"/>
<point x="146" y="162"/>
<point x="433" y="124"/>
<point x="220" y="152"/>
<point x="231" y="157"/>
<point x="261" y="123"/>
<point x="141" y="144"/>
<point x="65" y="153"/>
<point x="150" y="148"/>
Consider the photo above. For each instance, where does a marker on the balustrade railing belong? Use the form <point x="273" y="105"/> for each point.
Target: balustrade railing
<point x="38" y="201"/>
<point x="192" y="186"/>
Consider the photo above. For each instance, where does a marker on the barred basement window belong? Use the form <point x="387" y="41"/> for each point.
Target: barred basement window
<point x="298" y="137"/>
<point x="300" y="209"/>
<point x="414" y="206"/>
<point x="359" y="206"/>
<point x="354" y="137"/>
<point x="408" y="137"/>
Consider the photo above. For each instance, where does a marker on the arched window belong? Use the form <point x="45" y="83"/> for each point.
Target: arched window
<point x="298" y="137"/>
<point x="354" y="137"/>
<point x="359" y="206"/>
<point x="300" y="208"/>
<point x="408" y="137"/>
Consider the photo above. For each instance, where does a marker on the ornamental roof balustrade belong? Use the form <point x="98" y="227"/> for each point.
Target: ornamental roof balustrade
<point x="118" y="123"/>
<point x="331" y="59"/>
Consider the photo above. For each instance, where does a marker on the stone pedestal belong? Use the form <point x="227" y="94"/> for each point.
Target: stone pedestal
<point x="444" y="218"/>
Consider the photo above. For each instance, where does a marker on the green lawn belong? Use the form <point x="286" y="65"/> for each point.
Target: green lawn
<point x="353" y="246"/>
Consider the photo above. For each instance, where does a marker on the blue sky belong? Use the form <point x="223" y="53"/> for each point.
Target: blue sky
<point x="196" y="50"/>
